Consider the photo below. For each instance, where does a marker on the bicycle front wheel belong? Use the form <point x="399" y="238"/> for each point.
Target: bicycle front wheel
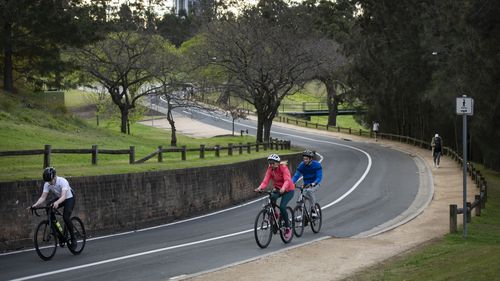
<point x="287" y="238"/>
<point x="263" y="230"/>
<point x="80" y="236"/>
<point x="299" y="215"/>
<point x="45" y="241"/>
<point x="316" y="220"/>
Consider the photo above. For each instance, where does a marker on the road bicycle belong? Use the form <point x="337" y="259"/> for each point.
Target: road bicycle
<point x="269" y="221"/>
<point x="304" y="216"/>
<point x="49" y="233"/>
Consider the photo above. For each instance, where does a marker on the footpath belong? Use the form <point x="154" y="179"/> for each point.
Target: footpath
<point x="338" y="258"/>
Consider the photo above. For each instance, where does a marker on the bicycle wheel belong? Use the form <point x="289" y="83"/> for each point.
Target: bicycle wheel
<point x="80" y="236"/>
<point x="45" y="241"/>
<point x="298" y="228"/>
<point x="316" y="221"/>
<point x="263" y="228"/>
<point x="291" y="224"/>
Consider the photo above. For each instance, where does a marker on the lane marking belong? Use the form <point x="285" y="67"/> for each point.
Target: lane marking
<point x="129" y="256"/>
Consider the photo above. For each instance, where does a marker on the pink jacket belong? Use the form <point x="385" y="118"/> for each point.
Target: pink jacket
<point x="280" y="176"/>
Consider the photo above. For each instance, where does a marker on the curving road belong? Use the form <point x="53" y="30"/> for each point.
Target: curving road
<point x="366" y="189"/>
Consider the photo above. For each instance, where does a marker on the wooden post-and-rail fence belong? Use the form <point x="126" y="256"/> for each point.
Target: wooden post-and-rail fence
<point x="95" y="151"/>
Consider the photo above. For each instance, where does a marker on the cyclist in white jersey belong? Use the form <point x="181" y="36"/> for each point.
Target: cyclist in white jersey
<point x="64" y="197"/>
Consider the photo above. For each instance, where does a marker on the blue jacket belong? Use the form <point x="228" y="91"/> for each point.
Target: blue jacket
<point x="311" y="173"/>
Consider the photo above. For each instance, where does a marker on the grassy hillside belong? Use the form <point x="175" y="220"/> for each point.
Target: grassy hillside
<point x="453" y="258"/>
<point x="30" y="123"/>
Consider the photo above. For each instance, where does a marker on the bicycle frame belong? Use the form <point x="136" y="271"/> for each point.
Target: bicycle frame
<point x="269" y="206"/>
<point x="50" y="210"/>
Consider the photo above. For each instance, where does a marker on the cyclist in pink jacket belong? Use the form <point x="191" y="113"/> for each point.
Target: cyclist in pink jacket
<point x="283" y="186"/>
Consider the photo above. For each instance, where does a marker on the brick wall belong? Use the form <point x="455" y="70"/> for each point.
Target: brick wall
<point x="115" y="203"/>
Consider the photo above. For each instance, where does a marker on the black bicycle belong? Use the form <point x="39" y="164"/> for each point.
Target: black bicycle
<point x="49" y="233"/>
<point x="269" y="222"/>
<point x="304" y="215"/>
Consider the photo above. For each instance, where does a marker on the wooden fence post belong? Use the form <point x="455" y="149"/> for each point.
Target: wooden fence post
<point x="160" y="154"/>
<point x="202" y="151"/>
<point x="241" y="148"/>
<point x="46" y="155"/>
<point x="256" y="147"/>
<point x="478" y="205"/>
<point x="249" y="147"/>
<point x="453" y="218"/>
<point x="183" y="153"/>
<point x="230" y="149"/>
<point x="94" y="154"/>
<point x="217" y="150"/>
<point x="132" y="155"/>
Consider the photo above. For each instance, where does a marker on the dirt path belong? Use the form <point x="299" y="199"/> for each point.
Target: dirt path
<point x="334" y="258"/>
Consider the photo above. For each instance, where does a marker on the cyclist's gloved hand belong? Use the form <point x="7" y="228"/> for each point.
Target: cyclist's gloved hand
<point x="313" y="184"/>
<point x="257" y="190"/>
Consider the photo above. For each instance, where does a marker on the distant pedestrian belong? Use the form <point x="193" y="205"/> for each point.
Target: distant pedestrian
<point x="437" y="148"/>
<point x="375" y="128"/>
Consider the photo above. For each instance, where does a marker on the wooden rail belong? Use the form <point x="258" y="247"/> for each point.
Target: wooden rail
<point x="95" y="151"/>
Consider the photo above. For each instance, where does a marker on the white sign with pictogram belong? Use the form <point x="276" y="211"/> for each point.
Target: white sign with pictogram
<point x="465" y="106"/>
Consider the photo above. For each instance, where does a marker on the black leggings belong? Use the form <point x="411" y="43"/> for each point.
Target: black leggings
<point x="68" y="205"/>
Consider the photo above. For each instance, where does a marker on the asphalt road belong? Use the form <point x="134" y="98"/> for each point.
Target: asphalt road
<point x="364" y="186"/>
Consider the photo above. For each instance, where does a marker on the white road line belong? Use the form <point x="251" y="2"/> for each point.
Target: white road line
<point x="129" y="256"/>
<point x="209" y="239"/>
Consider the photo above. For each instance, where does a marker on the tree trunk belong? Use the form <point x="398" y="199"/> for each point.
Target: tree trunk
<point x="8" y="78"/>
<point x="332" y="101"/>
<point x="267" y="129"/>
<point x="170" y="119"/>
<point x="260" y="127"/>
<point x="124" y="119"/>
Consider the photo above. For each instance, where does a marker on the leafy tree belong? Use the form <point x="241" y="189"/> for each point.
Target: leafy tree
<point x="120" y="64"/>
<point x="333" y="21"/>
<point x="33" y="33"/>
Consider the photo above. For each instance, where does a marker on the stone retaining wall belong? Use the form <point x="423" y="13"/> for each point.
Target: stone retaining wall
<point x="116" y="203"/>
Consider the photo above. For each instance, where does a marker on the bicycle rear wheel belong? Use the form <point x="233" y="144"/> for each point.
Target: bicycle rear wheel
<point x="291" y="224"/>
<point x="299" y="215"/>
<point x="263" y="230"/>
<point x="45" y="241"/>
<point x="80" y="236"/>
<point x="316" y="221"/>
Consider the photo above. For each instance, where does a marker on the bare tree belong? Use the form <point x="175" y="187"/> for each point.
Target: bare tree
<point x="119" y="63"/>
<point x="170" y="82"/>
<point x="267" y="55"/>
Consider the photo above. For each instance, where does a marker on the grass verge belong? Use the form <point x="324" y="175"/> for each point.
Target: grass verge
<point x="453" y="257"/>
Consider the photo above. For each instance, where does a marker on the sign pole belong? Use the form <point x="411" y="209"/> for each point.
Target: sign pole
<point x="464" y="143"/>
<point x="465" y="106"/>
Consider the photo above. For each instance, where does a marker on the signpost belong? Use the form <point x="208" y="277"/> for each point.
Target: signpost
<point x="465" y="107"/>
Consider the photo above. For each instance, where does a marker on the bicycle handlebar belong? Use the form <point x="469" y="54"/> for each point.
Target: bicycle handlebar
<point x="34" y="210"/>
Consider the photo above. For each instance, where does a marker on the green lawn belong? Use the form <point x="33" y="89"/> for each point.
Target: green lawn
<point x="27" y="125"/>
<point x="453" y="258"/>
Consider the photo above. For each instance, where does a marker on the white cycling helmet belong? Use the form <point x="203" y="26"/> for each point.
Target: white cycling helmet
<point x="274" y="157"/>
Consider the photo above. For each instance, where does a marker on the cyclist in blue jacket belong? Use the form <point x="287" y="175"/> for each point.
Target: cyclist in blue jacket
<point x="312" y="173"/>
